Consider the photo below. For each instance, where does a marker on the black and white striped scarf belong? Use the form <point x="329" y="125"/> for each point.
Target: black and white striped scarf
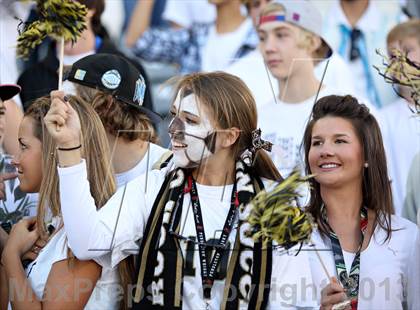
<point x="160" y="284"/>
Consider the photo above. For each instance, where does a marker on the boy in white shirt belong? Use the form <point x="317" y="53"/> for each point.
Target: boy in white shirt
<point x="400" y="128"/>
<point x="291" y="44"/>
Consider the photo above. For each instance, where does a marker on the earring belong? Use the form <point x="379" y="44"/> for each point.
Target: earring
<point x="366" y="165"/>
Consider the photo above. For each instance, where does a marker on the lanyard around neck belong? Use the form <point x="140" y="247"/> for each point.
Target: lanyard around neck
<point x="208" y="270"/>
<point x="349" y="281"/>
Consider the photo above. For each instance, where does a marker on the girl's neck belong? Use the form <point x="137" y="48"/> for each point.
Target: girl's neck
<point x="343" y="204"/>
<point x="229" y="16"/>
<point x="343" y="211"/>
<point x="216" y="171"/>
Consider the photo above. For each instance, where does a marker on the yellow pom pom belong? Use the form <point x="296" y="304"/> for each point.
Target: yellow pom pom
<point x="58" y="18"/>
<point x="400" y="70"/>
<point x="275" y="216"/>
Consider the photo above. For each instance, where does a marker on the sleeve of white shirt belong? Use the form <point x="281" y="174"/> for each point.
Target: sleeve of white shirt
<point x="110" y="234"/>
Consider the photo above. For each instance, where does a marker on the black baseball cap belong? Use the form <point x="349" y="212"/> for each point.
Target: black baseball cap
<point x="8" y="91"/>
<point x="115" y="75"/>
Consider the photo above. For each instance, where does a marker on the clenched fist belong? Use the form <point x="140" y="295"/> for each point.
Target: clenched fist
<point x="62" y="121"/>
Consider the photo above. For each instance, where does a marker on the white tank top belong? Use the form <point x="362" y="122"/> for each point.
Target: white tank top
<point x="105" y="294"/>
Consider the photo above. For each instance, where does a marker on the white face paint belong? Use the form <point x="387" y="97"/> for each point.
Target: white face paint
<point x="191" y="131"/>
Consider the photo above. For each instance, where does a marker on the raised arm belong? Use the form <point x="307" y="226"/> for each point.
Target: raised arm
<point x="91" y="233"/>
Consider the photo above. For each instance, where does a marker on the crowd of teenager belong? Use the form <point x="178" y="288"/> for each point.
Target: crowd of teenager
<point x="97" y="212"/>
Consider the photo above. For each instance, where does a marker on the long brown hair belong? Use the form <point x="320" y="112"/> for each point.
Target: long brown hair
<point x="94" y="148"/>
<point x="232" y="105"/>
<point x="376" y="187"/>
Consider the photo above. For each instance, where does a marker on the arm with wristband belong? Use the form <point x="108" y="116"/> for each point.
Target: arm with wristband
<point x="91" y="234"/>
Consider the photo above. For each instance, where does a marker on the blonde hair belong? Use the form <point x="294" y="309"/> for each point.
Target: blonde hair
<point x="408" y="29"/>
<point x="306" y="38"/>
<point x="94" y="148"/>
<point x="232" y="105"/>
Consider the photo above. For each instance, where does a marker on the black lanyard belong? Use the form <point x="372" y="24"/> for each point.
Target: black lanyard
<point x="208" y="270"/>
<point x="349" y="281"/>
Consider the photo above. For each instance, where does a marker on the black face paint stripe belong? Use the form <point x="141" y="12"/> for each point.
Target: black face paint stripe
<point x="210" y="142"/>
<point x="176" y="129"/>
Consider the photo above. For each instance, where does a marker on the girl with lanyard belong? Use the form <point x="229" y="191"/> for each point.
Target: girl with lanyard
<point x="186" y="222"/>
<point x="369" y="249"/>
<point x="56" y="279"/>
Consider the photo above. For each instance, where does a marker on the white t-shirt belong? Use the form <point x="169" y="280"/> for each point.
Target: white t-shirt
<point x="401" y="135"/>
<point x="187" y="12"/>
<point x="384" y="267"/>
<point x="219" y="50"/>
<point x="105" y="293"/>
<point x="288" y="272"/>
<point x="252" y="70"/>
<point x="283" y="124"/>
<point x="153" y="154"/>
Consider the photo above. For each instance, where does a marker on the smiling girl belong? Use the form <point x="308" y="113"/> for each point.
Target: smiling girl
<point x="369" y="249"/>
<point x="188" y="223"/>
<point x="56" y="279"/>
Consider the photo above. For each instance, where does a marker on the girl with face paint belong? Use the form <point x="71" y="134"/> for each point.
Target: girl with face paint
<point x="193" y="136"/>
<point x="187" y="223"/>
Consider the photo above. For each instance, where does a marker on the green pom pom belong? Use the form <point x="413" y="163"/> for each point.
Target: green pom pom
<point x="274" y="215"/>
<point x="58" y="19"/>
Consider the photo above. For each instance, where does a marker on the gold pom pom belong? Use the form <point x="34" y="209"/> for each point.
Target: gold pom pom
<point x="400" y="70"/>
<point x="58" y="19"/>
<point x="275" y="216"/>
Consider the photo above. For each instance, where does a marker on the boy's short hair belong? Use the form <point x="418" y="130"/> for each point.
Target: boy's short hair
<point x="305" y="38"/>
<point x="409" y="29"/>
